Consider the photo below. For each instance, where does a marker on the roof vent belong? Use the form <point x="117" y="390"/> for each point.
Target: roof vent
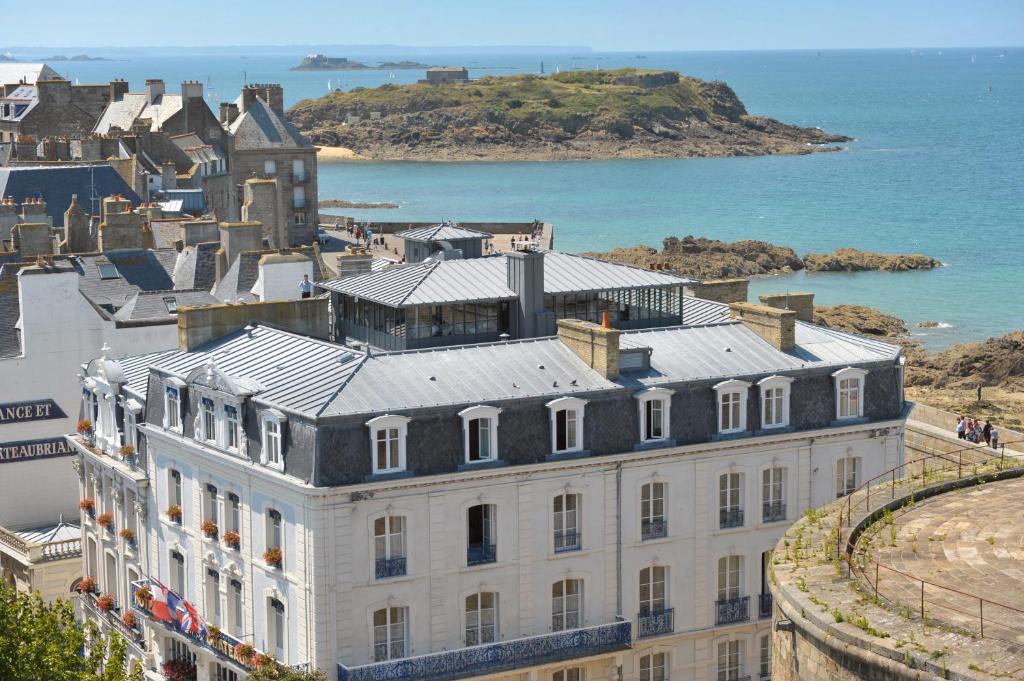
<point x="540" y="366"/>
<point x="727" y="348"/>
<point x="432" y="378"/>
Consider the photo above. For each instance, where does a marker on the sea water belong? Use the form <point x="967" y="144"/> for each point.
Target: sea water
<point x="937" y="168"/>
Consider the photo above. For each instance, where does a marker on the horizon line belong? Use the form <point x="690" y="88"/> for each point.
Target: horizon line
<point x="8" y="50"/>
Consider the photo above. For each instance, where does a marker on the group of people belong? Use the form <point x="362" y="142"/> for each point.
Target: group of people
<point x="970" y="429"/>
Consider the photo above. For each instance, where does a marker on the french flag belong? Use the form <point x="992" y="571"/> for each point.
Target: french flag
<point x="164" y="604"/>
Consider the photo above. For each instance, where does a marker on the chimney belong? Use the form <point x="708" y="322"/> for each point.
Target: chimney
<point x="236" y="238"/>
<point x="274" y="97"/>
<point x="54" y="92"/>
<point x="77" y="238"/>
<point x="154" y="89"/>
<point x="249" y="93"/>
<point x="280" y="274"/>
<point x="776" y="326"/>
<point x="526" y="278"/>
<point x="122" y="227"/>
<point x="25" y="148"/>
<point x="168" y="175"/>
<point x="355" y="260"/>
<point x="800" y="302"/>
<point x="595" y="344"/>
<point x="228" y="112"/>
<point x="720" y="290"/>
<point x="261" y="200"/>
<point x="32" y="239"/>
<point x="118" y="89"/>
<point x="191" y="89"/>
<point x="34" y="207"/>
<point x="199" y="232"/>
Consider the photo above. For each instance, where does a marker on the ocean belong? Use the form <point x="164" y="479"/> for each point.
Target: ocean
<point x="937" y="167"/>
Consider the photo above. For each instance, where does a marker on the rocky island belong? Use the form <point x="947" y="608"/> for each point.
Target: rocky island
<point x="320" y="62"/>
<point x="626" y="113"/>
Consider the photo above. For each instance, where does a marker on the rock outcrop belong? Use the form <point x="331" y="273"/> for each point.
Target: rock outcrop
<point x="702" y="258"/>
<point x="853" y="260"/>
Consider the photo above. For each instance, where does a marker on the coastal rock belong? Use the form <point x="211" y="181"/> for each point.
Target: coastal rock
<point x="853" y="260"/>
<point x="626" y="113"/>
<point x="860" y="319"/>
<point x="321" y="62"/>
<point x="927" y="324"/>
<point x="341" y="203"/>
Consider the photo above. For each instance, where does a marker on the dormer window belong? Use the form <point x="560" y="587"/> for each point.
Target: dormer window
<point x="272" y="426"/>
<point x="172" y="404"/>
<point x="480" y="433"/>
<point x="209" y="420"/>
<point x="775" y="401"/>
<point x="849" y="392"/>
<point x="387" y="443"/>
<point x="566" y="424"/>
<point x="231" y="426"/>
<point x="732" y="406"/>
<point x="654" y="405"/>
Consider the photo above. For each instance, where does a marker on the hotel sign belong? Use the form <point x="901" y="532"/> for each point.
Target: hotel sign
<point x="34" y="449"/>
<point x="34" y="410"/>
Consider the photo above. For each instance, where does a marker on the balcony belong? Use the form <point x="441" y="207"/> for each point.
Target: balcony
<point x="655" y="623"/>
<point x="494" y="658"/>
<point x="390" y="567"/>
<point x="653" y="529"/>
<point x="730" y="517"/>
<point x="567" y="541"/>
<point x="112" y="618"/>
<point x="479" y="554"/>
<point x="764" y="606"/>
<point x="773" y="512"/>
<point x="732" y="610"/>
<point x="43" y="544"/>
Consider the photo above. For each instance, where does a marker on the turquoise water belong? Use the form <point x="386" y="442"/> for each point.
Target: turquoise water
<point x="937" y="167"/>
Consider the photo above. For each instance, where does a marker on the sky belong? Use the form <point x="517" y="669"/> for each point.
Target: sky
<point x="602" y="25"/>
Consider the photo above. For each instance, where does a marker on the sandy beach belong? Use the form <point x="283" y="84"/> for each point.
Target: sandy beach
<point x="338" y="154"/>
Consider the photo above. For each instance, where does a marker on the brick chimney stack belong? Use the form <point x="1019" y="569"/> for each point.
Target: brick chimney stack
<point x="154" y="89"/>
<point x="118" y="89"/>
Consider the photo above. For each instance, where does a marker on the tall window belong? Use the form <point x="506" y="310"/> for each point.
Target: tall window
<point x="231" y="426"/>
<point x="571" y="674"/>
<point x="775" y="401"/>
<point x="565" y="430"/>
<point x="480" y="440"/>
<point x="652" y="511"/>
<point x="566" y="604"/>
<point x="730" y="660"/>
<point x="566" y="522"/>
<point x="849" y="392"/>
<point x="272" y="441"/>
<point x="387" y="449"/>
<point x="274" y="536"/>
<point x="653" y="667"/>
<point x="276" y="625"/>
<point x="174" y="487"/>
<point x="299" y="170"/>
<point x="233" y="519"/>
<point x="847" y="475"/>
<point x="566" y="424"/>
<point x="389" y="546"/>
<point x="172" y="409"/>
<point x="269" y="167"/>
<point x="211" y="503"/>
<point x="481" y="546"/>
<point x="730" y="510"/>
<point x="652" y="590"/>
<point x="729" y="574"/>
<point x="387" y="442"/>
<point x="209" y="420"/>
<point x="654" y="413"/>
<point x="481" y="618"/>
<point x="773" y="500"/>
<point x="732" y="406"/>
<point x="212" y="613"/>
<point x="178" y="573"/>
<point x="480" y="428"/>
<point x="766" y="657"/>
<point x="389" y="634"/>
<point x="235" y="608"/>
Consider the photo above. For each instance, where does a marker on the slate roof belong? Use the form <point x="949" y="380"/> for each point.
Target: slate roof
<point x="10" y="311"/>
<point x="445" y="231"/>
<point x="241" y="276"/>
<point x="260" y="127"/>
<point x="56" y="184"/>
<point x="152" y="305"/>
<point x="135" y="105"/>
<point x="435" y="282"/>
<point x="24" y="99"/>
<point x="17" y="72"/>
<point x="197" y="266"/>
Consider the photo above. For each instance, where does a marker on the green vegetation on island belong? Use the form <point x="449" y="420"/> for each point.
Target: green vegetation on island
<point x="321" y="62"/>
<point x="625" y="113"/>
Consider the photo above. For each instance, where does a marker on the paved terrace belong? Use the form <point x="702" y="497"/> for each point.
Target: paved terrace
<point x="948" y="568"/>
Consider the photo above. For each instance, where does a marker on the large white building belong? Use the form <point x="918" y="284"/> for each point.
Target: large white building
<point x="593" y="505"/>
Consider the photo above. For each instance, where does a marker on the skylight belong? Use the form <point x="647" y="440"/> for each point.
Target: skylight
<point x="108" y="271"/>
<point x="172" y="305"/>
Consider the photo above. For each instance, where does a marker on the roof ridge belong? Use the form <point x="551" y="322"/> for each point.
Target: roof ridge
<point x="428" y="269"/>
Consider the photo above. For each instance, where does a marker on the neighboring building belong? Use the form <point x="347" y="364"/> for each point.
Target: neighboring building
<point x="15" y="74"/>
<point x="595" y="505"/>
<point x="440" y="75"/>
<point x="266" y="145"/>
<point x="47" y="560"/>
<point x="49" y="108"/>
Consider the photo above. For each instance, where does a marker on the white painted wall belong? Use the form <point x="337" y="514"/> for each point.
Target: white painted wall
<point x="280" y="280"/>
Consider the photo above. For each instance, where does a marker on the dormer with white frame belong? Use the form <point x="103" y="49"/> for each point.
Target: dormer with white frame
<point x="387" y="443"/>
<point x="731" y="406"/>
<point x="775" y="392"/>
<point x="480" y="434"/>
<point x="174" y="397"/>
<point x="220" y="398"/>
<point x="849" y="387"/>
<point x="566" y="424"/>
<point x="272" y="426"/>
<point x="654" y="407"/>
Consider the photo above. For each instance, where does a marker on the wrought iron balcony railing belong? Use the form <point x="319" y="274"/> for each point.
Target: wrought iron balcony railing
<point x="767" y="676"/>
<point x="764" y="605"/>
<point x="567" y="541"/>
<point x="730" y="517"/>
<point x="655" y="623"/>
<point x="773" y="511"/>
<point x="390" y="567"/>
<point x="654" y="528"/>
<point x="114" y="620"/>
<point x="732" y="610"/>
<point x="493" y="658"/>
<point x="478" y="554"/>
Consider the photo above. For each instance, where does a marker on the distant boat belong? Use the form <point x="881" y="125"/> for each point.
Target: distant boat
<point x="1001" y="54"/>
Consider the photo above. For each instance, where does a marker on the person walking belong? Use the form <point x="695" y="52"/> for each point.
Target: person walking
<point x="961" y="426"/>
<point x="986" y="432"/>
<point x="306" y="286"/>
<point x="995" y="438"/>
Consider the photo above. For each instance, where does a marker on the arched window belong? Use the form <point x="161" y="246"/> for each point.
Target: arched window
<point x="775" y="401"/>
<point x="481" y="618"/>
<point x="655" y="408"/>
<point x="849" y="384"/>
<point x="277" y="627"/>
<point x="566" y="424"/>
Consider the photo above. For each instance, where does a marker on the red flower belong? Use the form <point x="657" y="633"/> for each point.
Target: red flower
<point x="244" y="652"/>
<point x="273" y="557"/>
<point x="209" y="528"/>
<point x="87" y="505"/>
<point x="174" y="513"/>
<point x="87" y="585"/>
<point x="127" y="534"/>
<point x="105" y="519"/>
<point x="84" y="427"/>
<point x="233" y="539"/>
<point x="129" y="620"/>
<point x="105" y="602"/>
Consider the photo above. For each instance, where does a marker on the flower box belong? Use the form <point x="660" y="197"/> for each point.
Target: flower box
<point x="128" y="535"/>
<point x="244" y="652"/>
<point x="105" y="520"/>
<point x="144" y="597"/>
<point x="87" y="585"/>
<point x="127" y="450"/>
<point x="84" y="427"/>
<point x="129" y="620"/>
<point x="105" y="602"/>
<point x="209" y="528"/>
<point x="174" y="513"/>
<point x="274" y="557"/>
<point x="87" y="505"/>
<point x="179" y="670"/>
<point x="233" y="540"/>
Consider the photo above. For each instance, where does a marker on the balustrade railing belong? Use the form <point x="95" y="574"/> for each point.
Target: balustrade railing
<point x="390" y="567"/>
<point x="764" y="605"/>
<point x="567" y="541"/>
<point x="113" y="619"/>
<point x="41" y="551"/>
<point x="479" y="554"/>
<point x="493" y="658"/>
<point x="773" y="511"/>
<point x="655" y="623"/>
<point x="654" y="528"/>
<point x="730" y="517"/>
<point x="732" y="610"/>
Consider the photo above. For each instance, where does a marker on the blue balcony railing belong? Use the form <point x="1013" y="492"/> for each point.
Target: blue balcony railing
<point x="655" y="623"/>
<point x="567" y="541"/>
<point x="493" y="658"/>
<point x="730" y="517"/>
<point x="478" y="554"/>
<point x="654" y="528"/>
<point x="764" y="605"/>
<point x="390" y="567"/>
<point x="732" y="610"/>
<point x="773" y="512"/>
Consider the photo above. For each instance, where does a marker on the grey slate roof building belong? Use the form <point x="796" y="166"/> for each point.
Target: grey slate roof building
<point x="57" y="184"/>
<point x="258" y="126"/>
<point x="18" y="72"/>
<point x="10" y="310"/>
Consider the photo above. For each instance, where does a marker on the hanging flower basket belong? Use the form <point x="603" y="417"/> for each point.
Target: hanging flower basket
<point x="87" y="585"/>
<point x="105" y="520"/>
<point x="105" y="602"/>
<point x="129" y="620"/>
<point x="274" y="557"/>
<point x="144" y="596"/>
<point x="174" y="513"/>
<point x="209" y="528"/>
<point x="84" y="427"/>
<point x="233" y="540"/>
